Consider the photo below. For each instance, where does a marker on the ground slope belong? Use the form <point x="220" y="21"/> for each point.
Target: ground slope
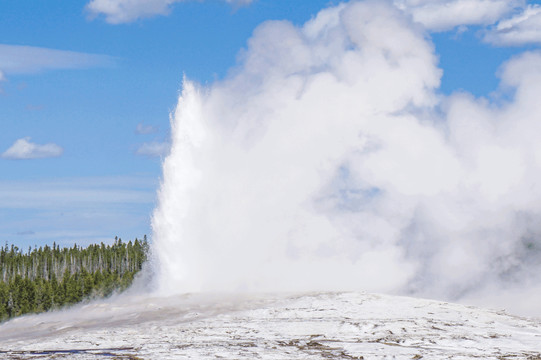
<point x="308" y="326"/>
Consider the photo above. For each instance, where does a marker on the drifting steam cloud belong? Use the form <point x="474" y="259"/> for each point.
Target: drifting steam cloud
<point x="328" y="161"/>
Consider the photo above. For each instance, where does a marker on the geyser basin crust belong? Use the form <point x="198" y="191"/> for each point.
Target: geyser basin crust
<point x="309" y="326"/>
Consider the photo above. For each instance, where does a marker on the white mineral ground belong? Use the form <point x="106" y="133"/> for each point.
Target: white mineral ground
<point x="294" y="326"/>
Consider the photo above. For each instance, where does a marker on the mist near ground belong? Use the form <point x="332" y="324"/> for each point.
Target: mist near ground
<point x="328" y="160"/>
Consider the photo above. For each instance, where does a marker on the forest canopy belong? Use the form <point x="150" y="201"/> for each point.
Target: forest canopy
<point x="46" y="278"/>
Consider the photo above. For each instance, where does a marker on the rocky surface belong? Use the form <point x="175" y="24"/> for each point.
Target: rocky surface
<point x="308" y="326"/>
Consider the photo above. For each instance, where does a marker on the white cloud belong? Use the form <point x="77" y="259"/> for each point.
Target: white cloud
<point x="124" y="11"/>
<point x="435" y="15"/>
<point x="441" y="15"/>
<point x="24" y="149"/>
<point x="19" y="59"/>
<point x="155" y="149"/>
<point x="521" y="29"/>
<point x="145" y="129"/>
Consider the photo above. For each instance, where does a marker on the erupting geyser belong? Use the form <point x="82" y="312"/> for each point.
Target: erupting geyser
<point x="327" y="160"/>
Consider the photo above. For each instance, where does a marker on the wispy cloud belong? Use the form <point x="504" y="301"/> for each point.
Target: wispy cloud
<point x="124" y="11"/>
<point x="523" y="28"/>
<point x="17" y="59"/>
<point x="154" y="149"/>
<point x="143" y="129"/>
<point x="75" y="193"/>
<point x="81" y="210"/>
<point x="24" y="149"/>
<point x="2" y="79"/>
<point x="441" y="15"/>
<point x="31" y="107"/>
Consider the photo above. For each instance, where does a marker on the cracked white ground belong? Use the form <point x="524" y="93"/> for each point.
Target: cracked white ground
<point x="303" y="326"/>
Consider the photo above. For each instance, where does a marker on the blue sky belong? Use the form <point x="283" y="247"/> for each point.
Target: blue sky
<point x="86" y="88"/>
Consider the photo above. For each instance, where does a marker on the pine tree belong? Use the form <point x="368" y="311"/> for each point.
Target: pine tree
<point x="45" y="278"/>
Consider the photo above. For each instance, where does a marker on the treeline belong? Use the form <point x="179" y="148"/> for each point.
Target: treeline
<point x="46" y="278"/>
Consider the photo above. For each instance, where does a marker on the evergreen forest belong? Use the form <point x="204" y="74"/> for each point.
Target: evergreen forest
<point x="48" y="278"/>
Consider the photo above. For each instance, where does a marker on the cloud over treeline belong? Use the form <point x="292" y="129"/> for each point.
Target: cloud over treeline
<point x="82" y="209"/>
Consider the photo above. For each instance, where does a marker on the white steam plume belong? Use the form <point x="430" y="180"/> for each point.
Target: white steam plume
<point x="327" y="161"/>
<point x="523" y="28"/>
